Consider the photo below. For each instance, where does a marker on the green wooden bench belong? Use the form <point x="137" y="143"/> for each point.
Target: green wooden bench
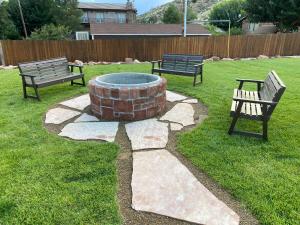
<point x="48" y="72"/>
<point x="256" y="105"/>
<point x="185" y="65"/>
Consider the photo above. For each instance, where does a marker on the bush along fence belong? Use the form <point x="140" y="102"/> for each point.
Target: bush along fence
<point x="146" y="49"/>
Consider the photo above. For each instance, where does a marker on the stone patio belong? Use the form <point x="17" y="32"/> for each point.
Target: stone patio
<point x="160" y="184"/>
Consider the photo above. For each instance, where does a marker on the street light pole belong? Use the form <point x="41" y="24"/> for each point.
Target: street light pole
<point x="22" y="18"/>
<point x="185" y="17"/>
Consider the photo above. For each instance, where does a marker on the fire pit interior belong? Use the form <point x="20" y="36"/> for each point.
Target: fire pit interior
<point x="127" y="96"/>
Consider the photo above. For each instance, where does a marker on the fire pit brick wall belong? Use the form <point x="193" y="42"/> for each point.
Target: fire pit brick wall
<point x="133" y="103"/>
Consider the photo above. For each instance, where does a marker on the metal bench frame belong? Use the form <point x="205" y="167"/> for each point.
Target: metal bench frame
<point x="269" y="93"/>
<point x="71" y="76"/>
<point x="195" y="60"/>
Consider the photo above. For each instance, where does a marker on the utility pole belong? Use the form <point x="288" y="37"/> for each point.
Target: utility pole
<point x="185" y="18"/>
<point x="22" y="18"/>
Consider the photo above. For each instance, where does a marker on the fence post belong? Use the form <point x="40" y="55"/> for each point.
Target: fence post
<point x="2" y="61"/>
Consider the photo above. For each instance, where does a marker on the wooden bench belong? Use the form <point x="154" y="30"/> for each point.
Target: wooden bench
<point x="256" y="105"/>
<point x="186" y="65"/>
<point x="48" y="72"/>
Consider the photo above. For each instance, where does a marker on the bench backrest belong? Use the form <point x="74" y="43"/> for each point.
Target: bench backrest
<point x="179" y="62"/>
<point x="46" y="70"/>
<point x="272" y="90"/>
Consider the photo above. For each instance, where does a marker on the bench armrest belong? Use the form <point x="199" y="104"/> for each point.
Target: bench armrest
<point x="72" y="65"/>
<point x="242" y="81"/>
<point x="249" y="80"/>
<point x="75" y="65"/>
<point x="199" y="68"/>
<point x="27" y="75"/>
<point x="198" y="65"/>
<point x="158" y="62"/>
<point x="255" y="101"/>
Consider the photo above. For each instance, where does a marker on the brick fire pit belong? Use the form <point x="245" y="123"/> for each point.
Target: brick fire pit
<point x="127" y="96"/>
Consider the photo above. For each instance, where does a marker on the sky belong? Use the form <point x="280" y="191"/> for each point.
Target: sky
<point x="141" y="5"/>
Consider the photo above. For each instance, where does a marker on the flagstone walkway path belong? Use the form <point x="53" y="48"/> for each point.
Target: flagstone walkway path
<point x="160" y="183"/>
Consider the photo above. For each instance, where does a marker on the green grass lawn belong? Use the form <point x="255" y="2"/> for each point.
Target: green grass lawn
<point x="46" y="179"/>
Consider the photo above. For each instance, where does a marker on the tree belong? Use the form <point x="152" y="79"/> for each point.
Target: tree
<point x="51" y="32"/>
<point x="284" y="14"/>
<point x="231" y="10"/>
<point x="7" y="27"/>
<point x="191" y="15"/>
<point x="171" y="15"/>
<point x="38" y="13"/>
<point x="67" y="13"/>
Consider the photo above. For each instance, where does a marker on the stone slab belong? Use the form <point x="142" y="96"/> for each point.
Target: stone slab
<point x="174" y="97"/>
<point x="79" y="103"/>
<point x="147" y="134"/>
<point x="162" y="185"/>
<point x="182" y="113"/>
<point x="91" y="131"/>
<point x="191" y="101"/>
<point x="60" y="115"/>
<point x="86" y="118"/>
<point x="175" y="127"/>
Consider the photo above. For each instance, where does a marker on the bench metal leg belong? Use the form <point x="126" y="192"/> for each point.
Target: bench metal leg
<point x="201" y="77"/>
<point x="265" y="130"/>
<point x="235" y="118"/>
<point x="232" y="126"/>
<point x="24" y="90"/>
<point x="82" y="82"/>
<point x="195" y="79"/>
<point x="37" y="93"/>
<point x="264" y="135"/>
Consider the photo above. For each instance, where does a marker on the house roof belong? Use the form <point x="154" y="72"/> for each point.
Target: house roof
<point x="103" y="6"/>
<point x="146" y="29"/>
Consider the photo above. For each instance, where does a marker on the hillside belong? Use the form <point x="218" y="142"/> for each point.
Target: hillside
<point x="201" y="8"/>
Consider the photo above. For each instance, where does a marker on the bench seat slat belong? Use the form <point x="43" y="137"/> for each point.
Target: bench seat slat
<point x="250" y="110"/>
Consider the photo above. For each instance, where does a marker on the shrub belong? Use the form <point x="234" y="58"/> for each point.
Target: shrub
<point x="51" y="32"/>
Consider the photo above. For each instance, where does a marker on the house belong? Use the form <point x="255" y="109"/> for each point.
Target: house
<point x="104" y="13"/>
<point x="257" y="28"/>
<point x="107" y="20"/>
<point x="107" y="13"/>
<point x="102" y="31"/>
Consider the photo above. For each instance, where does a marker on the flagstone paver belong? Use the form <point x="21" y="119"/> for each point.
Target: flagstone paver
<point x="60" y="115"/>
<point x="182" y="113"/>
<point x="91" y="131"/>
<point x="79" y="103"/>
<point x="174" y="97"/>
<point x="175" y="127"/>
<point x="86" y="118"/>
<point x="147" y="134"/>
<point x="162" y="185"/>
<point x="191" y="101"/>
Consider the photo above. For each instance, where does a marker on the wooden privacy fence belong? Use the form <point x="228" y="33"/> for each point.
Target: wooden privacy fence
<point x="147" y="49"/>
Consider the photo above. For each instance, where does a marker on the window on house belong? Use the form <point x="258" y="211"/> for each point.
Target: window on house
<point x="121" y="17"/>
<point x="82" y="35"/>
<point x="85" y="18"/>
<point x="99" y="17"/>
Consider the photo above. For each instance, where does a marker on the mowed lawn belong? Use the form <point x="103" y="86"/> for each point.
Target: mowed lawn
<point x="46" y="179"/>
